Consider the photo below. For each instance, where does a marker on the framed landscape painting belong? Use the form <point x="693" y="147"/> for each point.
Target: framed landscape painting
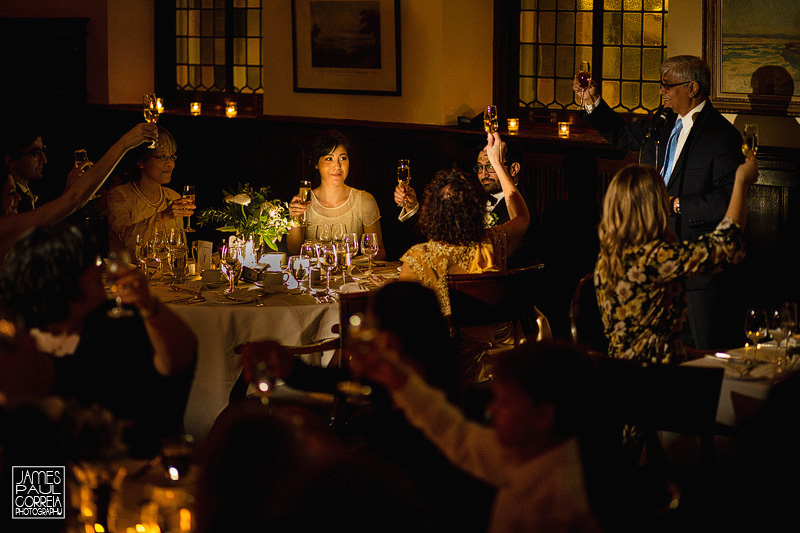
<point x="753" y="49"/>
<point x="346" y="46"/>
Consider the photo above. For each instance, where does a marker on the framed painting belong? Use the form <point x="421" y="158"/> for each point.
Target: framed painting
<point x="753" y="49"/>
<point x="346" y="46"/>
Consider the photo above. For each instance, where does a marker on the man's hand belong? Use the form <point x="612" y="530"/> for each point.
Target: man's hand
<point x="589" y="95"/>
<point x="405" y="196"/>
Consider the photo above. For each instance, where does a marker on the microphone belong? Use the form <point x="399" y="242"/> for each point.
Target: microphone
<point x="662" y="115"/>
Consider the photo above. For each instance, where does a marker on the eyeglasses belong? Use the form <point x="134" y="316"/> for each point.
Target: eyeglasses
<point x="165" y="158"/>
<point x="37" y="152"/>
<point x="671" y="85"/>
<point x="487" y="168"/>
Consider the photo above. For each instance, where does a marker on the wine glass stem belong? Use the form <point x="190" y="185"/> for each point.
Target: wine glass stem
<point x="328" y="283"/>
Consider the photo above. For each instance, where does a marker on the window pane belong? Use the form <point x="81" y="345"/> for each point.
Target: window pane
<point x="650" y="97"/>
<point x="239" y="51"/>
<point x="254" y="77"/>
<point x="207" y="18"/>
<point x="611" y="63"/>
<point x="253" y="22"/>
<point x="547" y="27"/>
<point x="219" y="78"/>
<point x="564" y="93"/>
<point x="566" y="4"/>
<point x="207" y="50"/>
<point x="239" y="78"/>
<point x="611" y="93"/>
<point x="253" y="52"/>
<point x="652" y="29"/>
<point x="583" y="28"/>
<point x="239" y="22"/>
<point x="219" y="23"/>
<point x="631" y="62"/>
<point x="526" y="52"/>
<point x="633" y="5"/>
<point x="194" y="76"/>
<point x="547" y="61"/>
<point x="194" y="3"/>
<point x="565" y="62"/>
<point x="585" y="5"/>
<point x="180" y="3"/>
<point x="219" y="4"/>
<point x="612" y="28"/>
<point x="254" y="3"/>
<point x="651" y="64"/>
<point x="528" y="4"/>
<point x="527" y="27"/>
<point x="653" y="5"/>
<point x="239" y="3"/>
<point x="630" y="94"/>
<point x="194" y="51"/>
<point x="566" y="27"/>
<point x="632" y="28"/>
<point x="582" y="53"/>
<point x="180" y="22"/>
<point x="612" y="4"/>
<point x="208" y="77"/>
<point x="207" y="3"/>
<point x="545" y="95"/>
<point x="182" y="54"/>
<point x="547" y="4"/>
<point x="219" y="51"/>
<point x="526" y="94"/>
<point x="181" y="76"/>
<point x="194" y="22"/>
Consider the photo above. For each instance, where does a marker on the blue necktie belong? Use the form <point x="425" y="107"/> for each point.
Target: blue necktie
<point x="672" y="145"/>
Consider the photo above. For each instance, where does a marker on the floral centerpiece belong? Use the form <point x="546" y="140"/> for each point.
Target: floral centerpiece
<point x="250" y="215"/>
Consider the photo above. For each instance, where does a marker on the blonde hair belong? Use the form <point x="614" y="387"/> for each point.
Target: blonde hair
<point x="635" y="212"/>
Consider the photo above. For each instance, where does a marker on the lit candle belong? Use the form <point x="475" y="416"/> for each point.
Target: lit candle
<point x="230" y="110"/>
<point x="160" y="105"/>
<point x="563" y="129"/>
<point x="513" y="125"/>
<point x="194" y="108"/>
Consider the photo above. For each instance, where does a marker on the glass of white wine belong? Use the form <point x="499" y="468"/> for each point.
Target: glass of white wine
<point x="490" y="123"/>
<point x="755" y="326"/>
<point x="116" y="267"/>
<point x="750" y="140"/>
<point x="584" y="77"/>
<point x="188" y="192"/>
<point x="403" y="175"/>
<point x="151" y="111"/>
<point x="305" y="197"/>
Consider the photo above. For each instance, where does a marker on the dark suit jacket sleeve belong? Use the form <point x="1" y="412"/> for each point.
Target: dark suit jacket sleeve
<point x="614" y="128"/>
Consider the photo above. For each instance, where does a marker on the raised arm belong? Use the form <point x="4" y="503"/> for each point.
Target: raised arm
<point x="517" y="210"/>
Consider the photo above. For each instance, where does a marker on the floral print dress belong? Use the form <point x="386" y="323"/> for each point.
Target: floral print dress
<point x="643" y="306"/>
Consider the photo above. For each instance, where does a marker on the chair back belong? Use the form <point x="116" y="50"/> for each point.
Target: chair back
<point x="585" y="320"/>
<point x="493" y="297"/>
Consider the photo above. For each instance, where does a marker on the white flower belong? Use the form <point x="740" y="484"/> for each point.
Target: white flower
<point x="636" y="274"/>
<point x="241" y="199"/>
<point x="623" y="290"/>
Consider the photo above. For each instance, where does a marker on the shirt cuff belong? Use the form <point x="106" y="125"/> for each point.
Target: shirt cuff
<point x="405" y="214"/>
<point x="590" y="107"/>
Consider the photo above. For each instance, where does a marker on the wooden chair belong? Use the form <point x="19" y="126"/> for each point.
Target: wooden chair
<point x="494" y="298"/>
<point x="585" y="321"/>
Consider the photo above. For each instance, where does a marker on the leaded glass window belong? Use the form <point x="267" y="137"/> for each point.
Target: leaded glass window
<point x="624" y="41"/>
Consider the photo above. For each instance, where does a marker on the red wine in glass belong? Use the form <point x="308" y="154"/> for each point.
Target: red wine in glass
<point x="584" y="77"/>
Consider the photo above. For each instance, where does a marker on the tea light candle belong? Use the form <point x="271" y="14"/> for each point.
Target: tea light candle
<point x="160" y="105"/>
<point x="230" y="110"/>
<point x="513" y="125"/>
<point x="563" y="129"/>
<point x="194" y="108"/>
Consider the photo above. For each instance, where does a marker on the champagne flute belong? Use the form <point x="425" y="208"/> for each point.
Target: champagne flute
<point x="369" y="247"/>
<point x="584" y="77"/>
<point x="117" y="266"/>
<point x="755" y="326"/>
<point x="326" y="254"/>
<point x="403" y="175"/>
<point x="82" y="162"/>
<point x="188" y="192"/>
<point x="490" y="123"/>
<point x="750" y="140"/>
<point x="150" y="112"/>
<point x="305" y="197"/>
<point x="233" y="264"/>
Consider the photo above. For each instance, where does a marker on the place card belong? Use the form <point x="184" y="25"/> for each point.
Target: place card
<point x="204" y="252"/>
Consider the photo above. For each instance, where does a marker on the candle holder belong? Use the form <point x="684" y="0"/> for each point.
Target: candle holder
<point x="513" y="126"/>
<point x="194" y="108"/>
<point x="160" y="105"/>
<point x="563" y="129"/>
<point x="231" y="110"/>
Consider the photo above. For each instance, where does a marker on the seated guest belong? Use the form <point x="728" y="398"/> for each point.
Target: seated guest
<point x="405" y="316"/>
<point x="642" y="264"/>
<point x="143" y="203"/>
<point x="139" y="367"/>
<point x="522" y="255"/>
<point x="333" y="201"/>
<point x="530" y="452"/>
<point x="76" y="194"/>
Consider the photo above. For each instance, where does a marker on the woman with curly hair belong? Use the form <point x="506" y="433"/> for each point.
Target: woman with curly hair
<point x="641" y="264"/>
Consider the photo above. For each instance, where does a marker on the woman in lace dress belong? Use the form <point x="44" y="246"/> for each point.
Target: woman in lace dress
<point x="642" y="264"/>
<point x="334" y="201"/>
<point x="143" y="203"/>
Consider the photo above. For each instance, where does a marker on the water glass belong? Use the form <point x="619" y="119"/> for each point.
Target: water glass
<point x="369" y="246"/>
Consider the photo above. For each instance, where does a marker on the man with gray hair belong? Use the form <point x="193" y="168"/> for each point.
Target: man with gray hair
<point x="697" y="151"/>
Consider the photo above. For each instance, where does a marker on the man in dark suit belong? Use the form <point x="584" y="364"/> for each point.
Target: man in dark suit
<point x="697" y="151"/>
<point x="523" y="255"/>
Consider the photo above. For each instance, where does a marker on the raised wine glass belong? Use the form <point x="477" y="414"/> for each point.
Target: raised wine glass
<point x="403" y="175"/>
<point x="151" y="112"/>
<point x="188" y="192"/>
<point x="231" y="253"/>
<point x="750" y="140"/>
<point x="755" y="326"/>
<point x="369" y="246"/>
<point x="117" y="266"/>
<point x="490" y="123"/>
<point x="584" y="77"/>
<point x="305" y="197"/>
